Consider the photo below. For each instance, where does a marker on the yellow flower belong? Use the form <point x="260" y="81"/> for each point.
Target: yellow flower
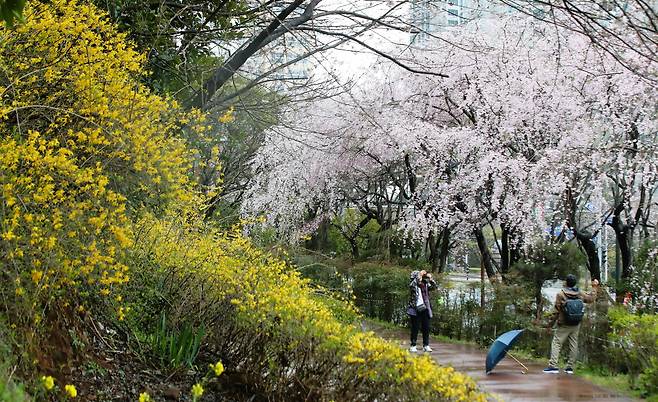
<point x="144" y="397"/>
<point x="70" y="390"/>
<point x="218" y="368"/>
<point x="228" y="116"/>
<point x="197" y="391"/>
<point x="36" y="276"/>
<point x="20" y="291"/>
<point x="48" y="382"/>
<point x="9" y="236"/>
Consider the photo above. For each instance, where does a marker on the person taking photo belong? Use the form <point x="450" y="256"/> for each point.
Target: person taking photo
<point x="420" y="308"/>
<point x="565" y="321"/>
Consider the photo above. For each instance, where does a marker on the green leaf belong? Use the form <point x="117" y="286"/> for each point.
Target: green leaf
<point x="11" y="10"/>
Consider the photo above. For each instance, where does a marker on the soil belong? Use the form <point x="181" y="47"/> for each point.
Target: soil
<point x="114" y="369"/>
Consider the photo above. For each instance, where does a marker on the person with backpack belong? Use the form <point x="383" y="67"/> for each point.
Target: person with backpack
<point x="420" y="308"/>
<point x="569" y="312"/>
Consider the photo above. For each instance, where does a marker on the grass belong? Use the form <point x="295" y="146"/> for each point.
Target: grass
<point x="176" y="348"/>
<point x="447" y="339"/>
<point x="10" y="391"/>
<point x="618" y="382"/>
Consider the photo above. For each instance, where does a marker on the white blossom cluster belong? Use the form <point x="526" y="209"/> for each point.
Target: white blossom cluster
<point x="533" y="125"/>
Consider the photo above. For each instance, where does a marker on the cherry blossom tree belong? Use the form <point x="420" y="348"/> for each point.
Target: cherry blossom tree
<point x="532" y="125"/>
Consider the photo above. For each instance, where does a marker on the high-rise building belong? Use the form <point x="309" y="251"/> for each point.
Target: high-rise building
<point x="430" y="16"/>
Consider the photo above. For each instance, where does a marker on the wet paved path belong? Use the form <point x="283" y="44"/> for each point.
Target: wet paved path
<point x="511" y="385"/>
<point x="507" y="382"/>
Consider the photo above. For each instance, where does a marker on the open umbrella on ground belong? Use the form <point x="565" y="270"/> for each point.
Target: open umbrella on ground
<point x="501" y="347"/>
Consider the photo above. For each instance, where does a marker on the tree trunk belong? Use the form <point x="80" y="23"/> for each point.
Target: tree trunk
<point x="274" y="29"/>
<point x="504" y="252"/>
<point x="432" y="243"/>
<point x="320" y="239"/>
<point x="485" y="255"/>
<point x="586" y="241"/>
<point x="439" y="248"/>
<point x="623" y="235"/>
<point x="515" y="256"/>
<point x="353" y="239"/>
<point x="539" y="299"/>
<point x="444" y="250"/>
<point x="355" y="248"/>
<point x="584" y="238"/>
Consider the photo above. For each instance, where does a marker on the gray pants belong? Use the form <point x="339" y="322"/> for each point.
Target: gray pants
<point x="561" y="334"/>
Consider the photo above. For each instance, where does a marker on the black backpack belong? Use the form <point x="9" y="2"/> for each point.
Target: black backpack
<point x="574" y="310"/>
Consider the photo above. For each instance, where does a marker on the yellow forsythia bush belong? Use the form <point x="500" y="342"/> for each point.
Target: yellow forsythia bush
<point x="90" y="166"/>
<point x="82" y="146"/>
<point x="270" y="328"/>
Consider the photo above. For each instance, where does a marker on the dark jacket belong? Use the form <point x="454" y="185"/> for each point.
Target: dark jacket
<point x="414" y="287"/>
<point x="561" y="300"/>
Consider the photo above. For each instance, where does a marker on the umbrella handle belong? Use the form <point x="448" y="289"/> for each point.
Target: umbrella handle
<point x="517" y="360"/>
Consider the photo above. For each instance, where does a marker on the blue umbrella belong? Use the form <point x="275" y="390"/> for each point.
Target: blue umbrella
<point x="499" y="349"/>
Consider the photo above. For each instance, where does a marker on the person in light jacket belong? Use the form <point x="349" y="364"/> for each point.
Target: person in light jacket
<point x="420" y="308"/>
<point x="563" y="329"/>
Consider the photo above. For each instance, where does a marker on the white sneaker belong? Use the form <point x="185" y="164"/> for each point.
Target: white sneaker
<point x="427" y="348"/>
<point x="413" y="349"/>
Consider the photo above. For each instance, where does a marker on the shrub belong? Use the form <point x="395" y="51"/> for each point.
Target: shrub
<point x="380" y="290"/>
<point x="269" y="327"/>
<point x="458" y="313"/>
<point x="89" y="165"/>
<point x="635" y="337"/>
<point x="644" y="283"/>
<point x="546" y="261"/>
<point x="82" y="146"/>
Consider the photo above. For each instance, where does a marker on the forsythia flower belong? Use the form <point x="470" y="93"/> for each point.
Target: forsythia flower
<point x="363" y="355"/>
<point x="48" y="382"/>
<point x="228" y="116"/>
<point x="197" y="391"/>
<point x="144" y="397"/>
<point x="36" y="276"/>
<point x="70" y="390"/>
<point x="78" y="230"/>
<point x="218" y="368"/>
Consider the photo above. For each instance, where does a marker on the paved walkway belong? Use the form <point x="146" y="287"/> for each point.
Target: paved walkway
<point x="507" y="382"/>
